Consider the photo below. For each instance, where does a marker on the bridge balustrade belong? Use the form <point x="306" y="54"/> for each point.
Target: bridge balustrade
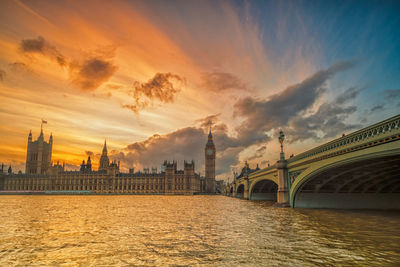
<point x="356" y="137"/>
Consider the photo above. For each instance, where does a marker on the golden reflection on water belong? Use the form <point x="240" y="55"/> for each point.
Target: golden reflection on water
<point x="189" y="230"/>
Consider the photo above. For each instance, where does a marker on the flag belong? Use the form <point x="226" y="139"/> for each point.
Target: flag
<point x="43" y="121"/>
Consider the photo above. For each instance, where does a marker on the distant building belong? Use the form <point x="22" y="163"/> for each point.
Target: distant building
<point x="219" y="185"/>
<point x="43" y="177"/>
<point x="246" y="171"/>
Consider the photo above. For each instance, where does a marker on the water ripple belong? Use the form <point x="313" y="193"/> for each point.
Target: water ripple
<point x="189" y="230"/>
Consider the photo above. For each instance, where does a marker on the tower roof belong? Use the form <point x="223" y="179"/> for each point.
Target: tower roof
<point x="210" y="139"/>
<point x="105" y="147"/>
<point x="41" y="135"/>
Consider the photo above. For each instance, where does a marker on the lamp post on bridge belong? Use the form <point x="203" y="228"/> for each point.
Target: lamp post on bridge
<point x="281" y="139"/>
<point x="281" y="165"/>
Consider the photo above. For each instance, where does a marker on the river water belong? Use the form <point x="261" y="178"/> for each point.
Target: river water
<point x="189" y="230"/>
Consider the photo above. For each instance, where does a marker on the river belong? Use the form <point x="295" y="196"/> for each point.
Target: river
<point x="189" y="230"/>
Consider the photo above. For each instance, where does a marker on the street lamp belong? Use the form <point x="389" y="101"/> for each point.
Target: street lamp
<point x="281" y="139"/>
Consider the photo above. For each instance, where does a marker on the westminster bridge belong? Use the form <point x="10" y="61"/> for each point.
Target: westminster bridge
<point x="359" y="170"/>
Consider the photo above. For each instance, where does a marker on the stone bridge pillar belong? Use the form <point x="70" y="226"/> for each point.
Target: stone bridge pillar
<point x="246" y="188"/>
<point x="283" y="189"/>
<point x="234" y="189"/>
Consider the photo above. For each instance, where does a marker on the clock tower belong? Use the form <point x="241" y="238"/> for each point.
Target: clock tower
<point x="210" y="165"/>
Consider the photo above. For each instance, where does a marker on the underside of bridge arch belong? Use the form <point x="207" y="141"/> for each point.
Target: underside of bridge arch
<point x="366" y="184"/>
<point x="231" y="191"/>
<point x="264" y="190"/>
<point x="240" y="191"/>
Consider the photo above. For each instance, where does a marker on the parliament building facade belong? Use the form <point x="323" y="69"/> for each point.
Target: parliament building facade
<point x="41" y="176"/>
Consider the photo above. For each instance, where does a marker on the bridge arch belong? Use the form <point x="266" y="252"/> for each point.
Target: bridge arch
<point x="369" y="180"/>
<point x="263" y="189"/>
<point x="240" y="191"/>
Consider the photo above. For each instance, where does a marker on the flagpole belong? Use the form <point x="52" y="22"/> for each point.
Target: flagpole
<point x="41" y="125"/>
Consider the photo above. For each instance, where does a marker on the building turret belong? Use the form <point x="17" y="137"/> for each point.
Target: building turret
<point x="50" y="150"/>
<point x="104" y="160"/>
<point x="83" y="166"/>
<point x="41" y="134"/>
<point x="28" y="153"/>
<point x="189" y="182"/>
<point x="89" y="164"/>
<point x="9" y="170"/>
<point x="170" y="171"/>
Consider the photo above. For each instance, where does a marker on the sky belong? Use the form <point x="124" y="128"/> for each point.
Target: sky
<point x="152" y="77"/>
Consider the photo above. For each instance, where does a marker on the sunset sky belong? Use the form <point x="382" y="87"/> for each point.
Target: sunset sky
<point x="153" y="76"/>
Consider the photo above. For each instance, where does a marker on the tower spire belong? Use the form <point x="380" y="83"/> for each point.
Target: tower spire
<point x="104" y="161"/>
<point x="105" y="147"/>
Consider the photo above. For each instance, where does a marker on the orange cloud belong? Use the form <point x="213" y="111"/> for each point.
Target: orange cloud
<point x="92" y="72"/>
<point x="162" y="87"/>
<point x="40" y="45"/>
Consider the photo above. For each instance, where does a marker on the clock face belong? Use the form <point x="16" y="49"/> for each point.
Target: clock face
<point x="209" y="151"/>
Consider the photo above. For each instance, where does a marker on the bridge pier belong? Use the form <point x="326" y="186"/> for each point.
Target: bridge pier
<point x="246" y="189"/>
<point x="234" y="190"/>
<point x="283" y="198"/>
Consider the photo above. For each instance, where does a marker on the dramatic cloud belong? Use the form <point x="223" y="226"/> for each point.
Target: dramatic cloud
<point x="227" y="160"/>
<point x="41" y="46"/>
<point x="88" y="73"/>
<point x="262" y="116"/>
<point x="327" y="122"/>
<point x="92" y="72"/>
<point x="347" y="95"/>
<point x="221" y="81"/>
<point x="259" y="153"/>
<point x="20" y="67"/>
<point x="208" y="121"/>
<point x="162" y="87"/>
<point x="392" y="95"/>
<point x="285" y="109"/>
<point x="183" y="144"/>
<point x="377" y="107"/>
<point x="2" y="74"/>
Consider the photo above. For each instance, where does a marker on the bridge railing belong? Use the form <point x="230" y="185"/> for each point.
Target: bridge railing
<point x="359" y="136"/>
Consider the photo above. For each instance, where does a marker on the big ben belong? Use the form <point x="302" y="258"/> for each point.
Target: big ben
<point x="210" y="164"/>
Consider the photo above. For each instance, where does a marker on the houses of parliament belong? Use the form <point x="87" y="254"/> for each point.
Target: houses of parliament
<point x="41" y="176"/>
